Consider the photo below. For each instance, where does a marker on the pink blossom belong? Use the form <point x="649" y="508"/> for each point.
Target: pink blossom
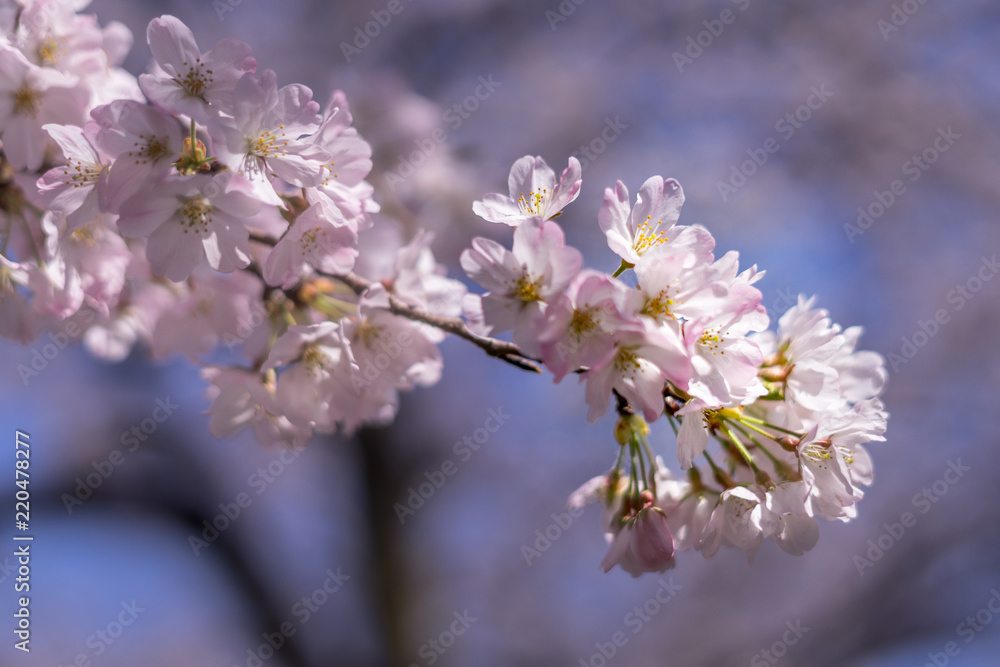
<point x="213" y="310"/>
<point x="645" y="358"/>
<point x="350" y="161"/>
<point x="522" y="281"/>
<point x="187" y="81"/>
<point x="144" y="142"/>
<point x="644" y="544"/>
<point x="15" y="309"/>
<point x="91" y="259"/>
<point x="264" y="135"/>
<point x="534" y="193"/>
<point x="741" y="519"/>
<point x="580" y="323"/>
<point x="633" y="232"/>
<point x="242" y="398"/>
<point x="310" y="392"/>
<point x="321" y="239"/>
<point x="31" y="97"/>
<point x="419" y="279"/>
<point x="188" y="219"/>
<point x="80" y="187"/>
<point x="388" y="351"/>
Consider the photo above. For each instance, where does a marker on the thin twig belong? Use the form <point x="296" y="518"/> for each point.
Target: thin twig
<point x="500" y="349"/>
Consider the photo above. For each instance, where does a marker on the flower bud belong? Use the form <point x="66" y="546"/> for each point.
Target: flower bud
<point x="627" y="427"/>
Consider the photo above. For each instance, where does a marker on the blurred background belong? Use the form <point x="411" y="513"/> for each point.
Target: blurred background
<point x="320" y="562"/>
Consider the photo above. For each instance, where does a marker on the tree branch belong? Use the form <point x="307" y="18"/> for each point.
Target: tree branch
<point x="503" y="350"/>
<point x="496" y="348"/>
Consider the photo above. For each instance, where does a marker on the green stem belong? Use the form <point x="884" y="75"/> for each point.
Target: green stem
<point x="754" y="440"/>
<point x="621" y="269"/>
<point x="740" y="447"/>
<point x="642" y="460"/>
<point x="652" y="463"/>
<point x="754" y="420"/>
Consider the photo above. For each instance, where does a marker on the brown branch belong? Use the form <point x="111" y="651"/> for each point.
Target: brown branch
<point x="495" y="348"/>
<point x="503" y="350"/>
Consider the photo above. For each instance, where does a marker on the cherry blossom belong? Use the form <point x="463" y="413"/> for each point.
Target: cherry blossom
<point x="31" y="97"/>
<point x="187" y="82"/>
<point x="321" y="239"/>
<point x="523" y="280"/>
<point x="80" y="186"/>
<point x="534" y="193"/>
<point x="649" y="226"/>
<point x="144" y="142"/>
<point x="263" y="136"/>
<point x="188" y="219"/>
<point x="202" y="206"/>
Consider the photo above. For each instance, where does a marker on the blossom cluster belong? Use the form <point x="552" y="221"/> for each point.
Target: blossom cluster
<point x="201" y="206"/>
<point x="789" y="411"/>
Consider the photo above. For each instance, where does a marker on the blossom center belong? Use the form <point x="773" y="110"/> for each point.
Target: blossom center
<point x="27" y="101"/>
<point x="310" y="242"/>
<point x="85" y="236"/>
<point x="268" y="143"/>
<point x="626" y="361"/>
<point x="583" y="322"/>
<point x="329" y="167"/>
<point x="81" y="174"/>
<point x="741" y="506"/>
<point x="526" y="289"/>
<point x="149" y="149"/>
<point x="658" y="307"/>
<point x="196" y="215"/>
<point x="648" y="235"/>
<point x="368" y="333"/>
<point x="315" y="359"/>
<point x="49" y="50"/>
<point x="712" y="339"/>
<point x="197" y="79"/>
<point x="818" y="454"/>
<point x="533" y="202"/>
